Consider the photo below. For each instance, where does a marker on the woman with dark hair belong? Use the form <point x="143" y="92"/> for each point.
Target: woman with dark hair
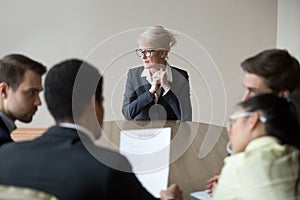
<point x="265" y="139"/>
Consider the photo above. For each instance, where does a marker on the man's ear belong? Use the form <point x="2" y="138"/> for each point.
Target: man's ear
<point x="284" y="93"/>
<point x="3" y="89"/>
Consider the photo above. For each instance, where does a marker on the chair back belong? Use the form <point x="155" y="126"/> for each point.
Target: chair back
<point x="8" y="192"/>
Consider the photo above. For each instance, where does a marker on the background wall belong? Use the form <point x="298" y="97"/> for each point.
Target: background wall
<point x="213" y="38"/>
<point x="288" y="29"/>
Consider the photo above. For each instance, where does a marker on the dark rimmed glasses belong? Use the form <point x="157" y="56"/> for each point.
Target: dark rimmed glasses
<point x="141" y="53"/>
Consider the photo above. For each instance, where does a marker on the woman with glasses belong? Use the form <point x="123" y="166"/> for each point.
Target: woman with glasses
<point x="265" y="139"/>
<point x="156" y="90"/>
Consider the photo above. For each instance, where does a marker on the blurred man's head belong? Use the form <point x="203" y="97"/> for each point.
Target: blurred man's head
<point x="73" y="92"/>
<point x="271" y="71"/>
<point x="20" y="85"/>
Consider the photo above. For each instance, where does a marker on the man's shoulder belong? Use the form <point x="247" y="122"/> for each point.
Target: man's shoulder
<point x="5" y="141"/>
<point x="81" y="149"/>
<point x="110" y="158"/>
<point x="7" y="146"/>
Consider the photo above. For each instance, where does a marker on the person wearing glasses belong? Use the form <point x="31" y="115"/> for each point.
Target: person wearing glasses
<point x="156" y="90"/>
<point x="264" y="133"/>
<point x="269" y="71"/>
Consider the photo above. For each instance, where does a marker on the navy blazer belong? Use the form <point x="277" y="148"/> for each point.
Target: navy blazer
<point x="60" y="163"/>
<point x="4" y="133"/>
<point x="138" y="103"/>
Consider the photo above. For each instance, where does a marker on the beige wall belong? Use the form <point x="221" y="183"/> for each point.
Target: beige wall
<point x="214" y="36"/>
<point x="288" y="29"/>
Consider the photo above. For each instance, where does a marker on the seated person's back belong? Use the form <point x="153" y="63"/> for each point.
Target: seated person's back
<point x="64" y="161"/>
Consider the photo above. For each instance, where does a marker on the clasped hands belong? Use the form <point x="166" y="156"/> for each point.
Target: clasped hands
<point x="159" y="79"/>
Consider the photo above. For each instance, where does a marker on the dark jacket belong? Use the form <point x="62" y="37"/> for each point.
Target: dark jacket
<point x="4" y="133"/>
<point x="138" y="104"/>
<point x="65" y="163"/>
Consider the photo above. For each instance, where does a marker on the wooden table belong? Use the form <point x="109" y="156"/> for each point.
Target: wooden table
<point x="190" y="167"/>
<point x="191" y="163"/>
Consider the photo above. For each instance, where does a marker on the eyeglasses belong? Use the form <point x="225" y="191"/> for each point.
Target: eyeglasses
<point x="141" y="53"/>
<point x="234" y="117"/>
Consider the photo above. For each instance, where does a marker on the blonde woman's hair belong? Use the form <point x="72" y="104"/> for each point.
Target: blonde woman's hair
<point x="157" y="37"/>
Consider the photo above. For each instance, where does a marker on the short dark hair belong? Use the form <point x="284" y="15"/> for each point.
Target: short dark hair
<point x="277" y="67"/>
<point x="13" y="67"/>
<point x="69" y="87"/>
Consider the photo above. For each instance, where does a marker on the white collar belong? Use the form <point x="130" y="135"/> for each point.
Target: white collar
<point x="146" y="73"/>
<point x="79" y="128"/>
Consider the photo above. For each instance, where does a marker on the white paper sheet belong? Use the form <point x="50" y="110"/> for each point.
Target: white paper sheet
<point x="148" y="151"/>
<point x="201" y="195"/>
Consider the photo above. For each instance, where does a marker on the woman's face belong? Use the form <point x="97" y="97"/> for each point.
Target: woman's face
<point x="155" y="60"/>
<point x="239" y="130"/>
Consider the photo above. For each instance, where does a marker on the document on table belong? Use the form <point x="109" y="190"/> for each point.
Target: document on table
<point x="202" y="195"/>
<point x="148" y="151"/>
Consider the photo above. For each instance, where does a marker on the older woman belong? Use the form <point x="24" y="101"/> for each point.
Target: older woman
<point x="156" y="90"/>
<point x="264" y="134"/>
